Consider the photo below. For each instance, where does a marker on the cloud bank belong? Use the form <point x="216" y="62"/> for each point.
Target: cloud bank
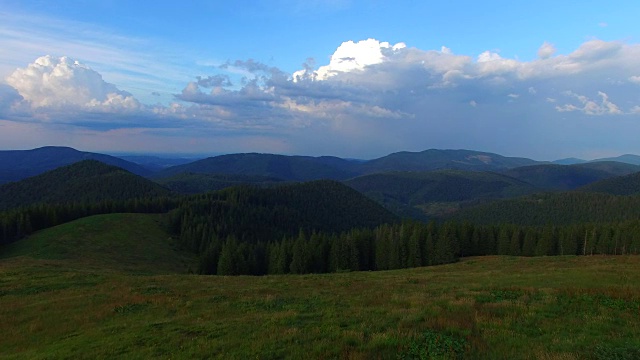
<point x="372" y="98"/>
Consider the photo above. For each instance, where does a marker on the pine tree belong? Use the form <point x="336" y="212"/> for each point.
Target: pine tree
<point x="504" y="240"/>
<point x="515" y="245"/>
<point x="300" y="260"/>
<point x="415" y="251"/>
<point x="529" y="243"/>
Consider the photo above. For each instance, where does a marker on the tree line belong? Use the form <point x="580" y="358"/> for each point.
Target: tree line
<point x="227" y="251"/>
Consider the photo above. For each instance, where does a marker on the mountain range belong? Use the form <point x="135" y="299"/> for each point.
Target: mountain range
<point x="19" y="164"/>
<point x="410" y="184"/>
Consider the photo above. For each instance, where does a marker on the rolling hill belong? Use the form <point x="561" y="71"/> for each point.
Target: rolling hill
<point x="417" y="194"/>
<point x="568" y="177"/>
<point x="20" y="164"/>
<point x="615" y="168"/>
<point x="621" y="185"/>
<point x="305" y="168"/>
<point x="292" y="168"/>
<point x="119" y="242"/>
<point x="434" y="159"/>
<point x="266" y="214"/>
<point x="83" y="181"/>
<point x="627" y="158"/>
<point x="157" y="163"/>
<point x="190" y="183"/>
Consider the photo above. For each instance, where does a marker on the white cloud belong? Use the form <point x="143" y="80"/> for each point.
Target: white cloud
<point x="591" y="107"/>
<point x="635" y="79"/>
<point x="372" y="97"/>
<point x="488" y="56"/>
<point x="60" y="82"/>
<point x="546" y="50"/>
<point x="140" y="66"/>
<point x="352" y="56"/>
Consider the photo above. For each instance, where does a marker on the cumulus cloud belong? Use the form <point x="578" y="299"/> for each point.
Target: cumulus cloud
<point x="59" y="82"/>
<point x="371" y="98"/>
<point x="351" y="56"/>
<point x="8" y="96"/>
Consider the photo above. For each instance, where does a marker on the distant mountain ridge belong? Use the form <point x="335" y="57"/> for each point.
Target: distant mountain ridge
<point x="627" y="158"/>
<point x="16" y="165"/>
<point x="434" y="159"/>
<point x="569" y="177"/>
<point x="304" y="168"/>
<point x="293" y="168"/>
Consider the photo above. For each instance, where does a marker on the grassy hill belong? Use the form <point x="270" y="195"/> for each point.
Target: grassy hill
<point x="416" y="194"/>
<point x="295" y="168"/>
<point x="120" y="242"/>
<point x="83" y="181"/>
<point x="622" y="185"/>
<point x="16" y="165"/>
<point x="480" y="308"/>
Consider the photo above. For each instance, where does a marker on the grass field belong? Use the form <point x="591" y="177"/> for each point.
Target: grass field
<point x="63" y="304"/>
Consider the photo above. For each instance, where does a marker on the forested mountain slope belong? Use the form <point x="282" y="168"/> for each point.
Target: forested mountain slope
<point x="622" y="185"/>
<point x="434" y="159"/>
<point x="191" y="183"/>
<point x="84" y="181"/>
<point x="555" y="208"/>
<point x="409" y="194"/>
<point x="295" y="168"/>
<point x="254" y="214"/>
<point x="568" y="177"/>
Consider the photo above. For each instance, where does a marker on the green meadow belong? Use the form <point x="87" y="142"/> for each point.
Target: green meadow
<point x="115" y="286"/>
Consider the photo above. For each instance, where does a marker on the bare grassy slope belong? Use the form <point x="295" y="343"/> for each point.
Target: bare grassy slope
<point x="121" y="242"/>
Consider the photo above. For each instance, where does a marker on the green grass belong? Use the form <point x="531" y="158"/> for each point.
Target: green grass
<point x="480" y="308"/>
<point x="128" y="242"/>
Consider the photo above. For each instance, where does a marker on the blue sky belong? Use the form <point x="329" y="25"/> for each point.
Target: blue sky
<point x="542" y="79"/>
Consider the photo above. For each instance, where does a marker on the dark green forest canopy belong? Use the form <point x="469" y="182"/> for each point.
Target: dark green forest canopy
<point x="568" y="177"/>
<point x="255" y="214"/>
<point x="84" y="181"/>
<point x="405" y="192"/>
<point x="194" y="183"/>
<point x="622" y="185"/>
<point x="554" y="208"/>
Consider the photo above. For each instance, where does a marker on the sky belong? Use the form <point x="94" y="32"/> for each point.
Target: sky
<point x="357" y="79"/>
